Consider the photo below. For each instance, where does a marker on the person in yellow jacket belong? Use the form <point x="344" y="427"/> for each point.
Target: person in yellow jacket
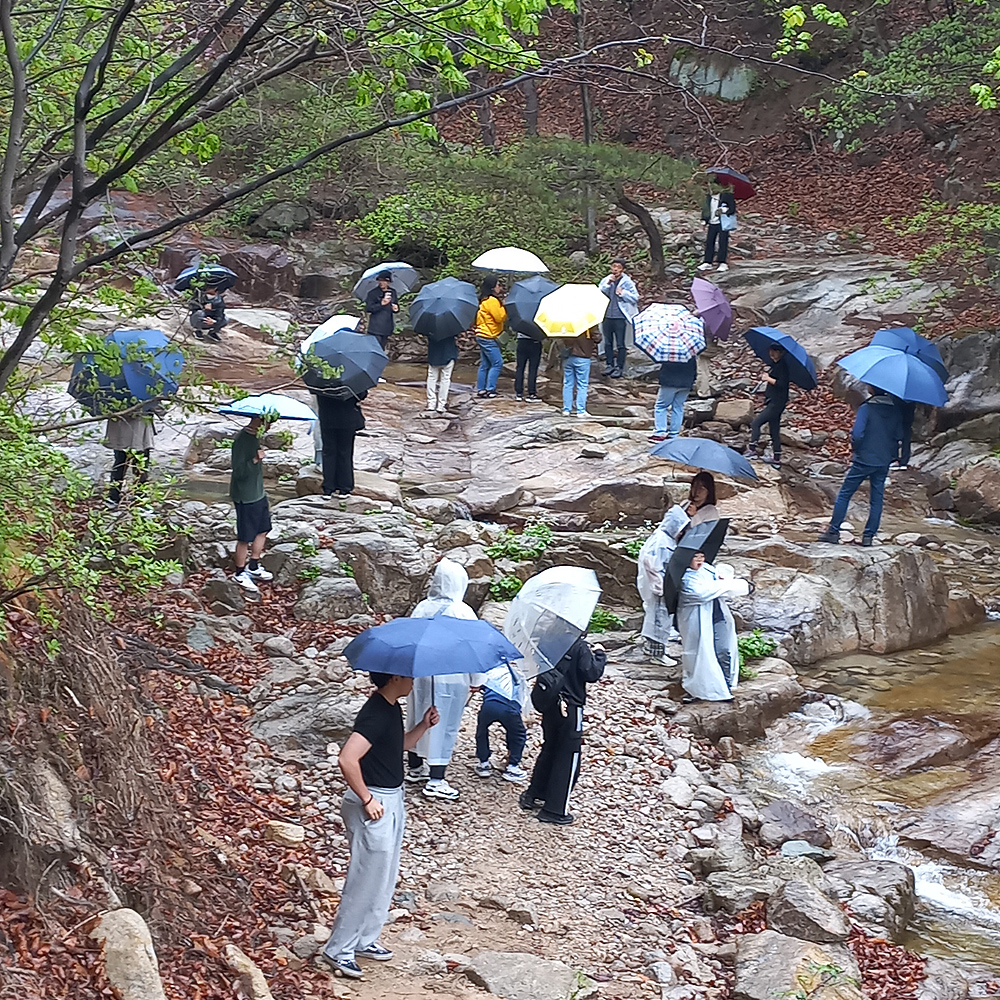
<point x="490" y="322"/>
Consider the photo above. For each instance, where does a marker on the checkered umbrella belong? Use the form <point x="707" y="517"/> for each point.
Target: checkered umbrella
<point x="669" y="333"/>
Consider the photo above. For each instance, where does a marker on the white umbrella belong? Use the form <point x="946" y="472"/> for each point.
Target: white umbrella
<point x="404" y="277"/>
<point x="339" y="322"/>
<point x="272" y="403"/>
<point x="550" y="612"/>
<point x="512" y="260"/>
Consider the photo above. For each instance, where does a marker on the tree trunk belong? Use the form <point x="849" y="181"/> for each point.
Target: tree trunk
<point x="588" y="127"/>
<point x="530" y="108"/>
<point x="484" y="115"/>
<point x="626" y="204"/>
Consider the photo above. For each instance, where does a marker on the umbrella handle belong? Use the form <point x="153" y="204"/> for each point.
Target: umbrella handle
<point x="432" y="691"/>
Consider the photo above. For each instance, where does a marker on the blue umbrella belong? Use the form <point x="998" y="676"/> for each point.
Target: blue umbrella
<point x="444" y="308"/>
<point x="425" y="647"/>
<point x="903" y="375"/>
<point x="205" y="274"/>
<point x="902" y="338"/>
<point x="800" y="369"/>
<point x="135" y="366"/>
<point x="273" y="404"/>
<point x="704" y="453"/>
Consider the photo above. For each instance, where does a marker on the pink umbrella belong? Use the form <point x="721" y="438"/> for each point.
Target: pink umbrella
<point x="713" y="307"/>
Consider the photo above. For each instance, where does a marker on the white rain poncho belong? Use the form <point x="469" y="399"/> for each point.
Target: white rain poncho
<point x="653" y="558"/>
<point x="450" y="691"/>
<point x="710" y="656"/>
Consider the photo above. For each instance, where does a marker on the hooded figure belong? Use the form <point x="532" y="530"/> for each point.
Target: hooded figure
<point x="653" y="558"/>
<point x="711" y="658"/>
<point x="448" y="692"/>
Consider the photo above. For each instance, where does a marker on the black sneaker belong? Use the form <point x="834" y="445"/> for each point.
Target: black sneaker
<point x="528" y="802"/>
<point x="518" y="399"/>
<point x="555" y="818"/>
<point x="342" y="967"/>
<point x="867" y="541"/>
<point x="533" y="399"/>
<point x="609" y="370"/>
<point x="830" y="537"/>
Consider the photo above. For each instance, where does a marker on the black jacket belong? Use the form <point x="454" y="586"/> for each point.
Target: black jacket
<point x="580" y="666"/>
<point x="778" y="393"/>
<point x="337" y="414"/>
<point x="381" y="322"/>
<point x="678" y="374"/>
<point x="440" y="352"/>
<point x="725" y="198"/>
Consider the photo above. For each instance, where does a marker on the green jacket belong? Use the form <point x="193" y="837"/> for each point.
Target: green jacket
<point x="246" y="484"/>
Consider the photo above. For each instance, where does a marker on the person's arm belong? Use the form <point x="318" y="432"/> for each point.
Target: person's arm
<point x="394" y="305"/>
<point x="373" y="304"/>
<point x="592" y="662"/>
<point x="605" y="284"/>
<point x="779" y="375"/>
<point x="350" y="766"/>
<point x="628" y="291"/>
<point x="860" y="424"/>
<point x="497" y="311"/>
<point x="412" y="738"/>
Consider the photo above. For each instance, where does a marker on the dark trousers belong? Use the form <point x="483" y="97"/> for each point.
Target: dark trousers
<point x="558" y="764"/>
<point x="614" y="335"/>
<point x="139" y="460"/>
<point x="770" y="415"/>
<point x="513" y="725"/>
<point x="716" y="232"/>
<point x="338" y="460"/>
<point x="529" y="354"/>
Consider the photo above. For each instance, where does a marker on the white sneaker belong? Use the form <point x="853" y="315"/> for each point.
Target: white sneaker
<point x="484" y="769"/>
<point x="244" y="580"/>
<point x="566" y="413"/>
<point x="421" y="773"/>
<point x="583" y="416"/>
<point x="260" y="573"/>
<point x="723" y="267"/>
<point x="705" y="267"/>
<point x="441" y="410"/>
<point x="515" y="774"/>
<point x="440" y="789"/>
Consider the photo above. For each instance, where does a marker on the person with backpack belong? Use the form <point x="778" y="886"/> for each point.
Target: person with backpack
<point x="560" y="695"/>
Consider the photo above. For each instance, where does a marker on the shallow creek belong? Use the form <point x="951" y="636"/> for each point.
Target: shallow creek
<point x="829" y="766"/>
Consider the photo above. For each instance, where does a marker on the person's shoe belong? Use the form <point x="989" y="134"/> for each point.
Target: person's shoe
<point x="375" y="952"/>
<point x="518" y="399"/>
<point x="527" y="801"/>
<point x="421" y="773"/>
<point x="584" y="415"/>
<point x="609" y="370"/>
<point x="213" y="336"/>
<point x="342" y="967"/>
<point x="566" y="413"/>
<point x="723" y="267"/>
<point x="867" y="541"/>
<point x="555" y="818"/>
<point x="664" y="661"/>
<point x="484" y="769"/>
<point x="260" y="573"/>
<point x="244" y="580"/>
<point x="440" y="789"/>
<point x="617" y="373"/>
<point x="441" y="410"/>
<point x="491" y="394"/>
<point x="705" y="267"/>
<point x="481" y="394"/>
<point x="830" y="537"/>
<point x="775" y="463"/>
<point x="516" y="775"/>
<point x="657" y="437"/>
<point x="533" y="399"/>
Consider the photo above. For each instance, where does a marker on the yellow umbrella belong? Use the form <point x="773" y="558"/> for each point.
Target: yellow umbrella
<point x="571" y="310"/>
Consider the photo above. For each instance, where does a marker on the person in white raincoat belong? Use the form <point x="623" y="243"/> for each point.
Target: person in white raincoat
<point x="653" y="556"/>
<point x="711" y="658"/>
<point x="448" y="692"/>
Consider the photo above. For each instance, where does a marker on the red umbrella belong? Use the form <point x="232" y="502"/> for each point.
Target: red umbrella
<point x="740" y="183"/>
<point x="713" y="308"/>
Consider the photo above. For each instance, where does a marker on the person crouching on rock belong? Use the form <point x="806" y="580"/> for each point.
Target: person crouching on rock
<point x="375" y="818"/>
<point x="710" y="656"/>
<point x="560" y="695"/>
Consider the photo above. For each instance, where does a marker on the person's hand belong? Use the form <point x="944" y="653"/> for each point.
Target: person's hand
<point x="619" y="290"/>
<point x="691" y="509"/>
<point x="432" y="717"/>
<point x="374" y="809"/>
<point x="260" y="456"/>
<point x="386" y="299"/>
<point x="208" y="321"/>
<point x="395" y="308"/>
<point x="476" y="687"/>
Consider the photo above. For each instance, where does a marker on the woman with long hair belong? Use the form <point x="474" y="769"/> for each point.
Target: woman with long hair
<point x="490" y="322"/>
<point x="700" y="504"/>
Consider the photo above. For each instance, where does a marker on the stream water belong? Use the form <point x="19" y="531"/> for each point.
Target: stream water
<point x="828" y="766"/>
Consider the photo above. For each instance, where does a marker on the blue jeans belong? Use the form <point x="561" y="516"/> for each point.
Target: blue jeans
<point x="669" y="400"/>
<point x="576" y="373"/>
<point x="490" y="363"/>
<point x="856" y="475"/>
<point x="502" y="711"/>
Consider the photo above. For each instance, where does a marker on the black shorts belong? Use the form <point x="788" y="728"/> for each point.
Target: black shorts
<point x="252" y="519"/>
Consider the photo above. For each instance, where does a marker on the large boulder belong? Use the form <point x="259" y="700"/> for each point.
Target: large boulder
<point x="800" y="910"/>
<point x="300" y="725"/>
<point x="330" y="599"/>
<point x="770" y="965"/>
<point x="523" y="976"/>
<point x="263" y="269"/>
<point x="129" y="959"/>
<point x="391" y="569"/>
<point x="621" y="501"/>
<point x="973" y="361"/>
<point x="911" y="744"/>
<point x="615" y="568"/>
<point x="880" y="895"/>
<point x="782" y="821"/>
<point x="281" y="218"/>
<point x="485" y="501"/>
<point x="977" y="493"/>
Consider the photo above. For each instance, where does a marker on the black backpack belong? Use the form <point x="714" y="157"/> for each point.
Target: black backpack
<point x="547" y="692"/>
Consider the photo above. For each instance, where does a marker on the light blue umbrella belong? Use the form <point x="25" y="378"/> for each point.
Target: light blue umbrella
<point x="704" y="453"/>
<point x="903" y="375"/>
<point x="273" y="404"/>
<point x="902" y="338"/>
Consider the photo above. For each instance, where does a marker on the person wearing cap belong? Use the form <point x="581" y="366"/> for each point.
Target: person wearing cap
<point x="381" y="304"/>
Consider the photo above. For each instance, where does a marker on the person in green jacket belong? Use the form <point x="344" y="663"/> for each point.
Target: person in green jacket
<point x="253" y="516"/>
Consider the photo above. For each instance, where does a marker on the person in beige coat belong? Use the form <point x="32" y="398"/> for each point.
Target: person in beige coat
<point x="131" y="439"/>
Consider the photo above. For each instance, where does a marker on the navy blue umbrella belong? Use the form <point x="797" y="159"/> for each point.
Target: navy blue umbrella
<point x="205" y="274"/>
<point x="444" y="308"/>
<point x="426" y="647"/>
<point x="344" y="358"/>
<point x="522" y="302"/>
<point x="704" y="453"/>
<point x="706" y="538"/>
<point x="135" y="366"/>
<point x="903" y="375"/>
<point x="902" y="338"/>
<point x="801" y="370"/>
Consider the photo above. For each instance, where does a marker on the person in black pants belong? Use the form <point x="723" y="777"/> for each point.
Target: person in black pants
<point x="717" y="205"/>
<point x="907" y="411"/>
<point x="529" y="354"/>
<point x="775" y="401"/>
<point x="558" y="764"/>
<point x="340" y="419"/>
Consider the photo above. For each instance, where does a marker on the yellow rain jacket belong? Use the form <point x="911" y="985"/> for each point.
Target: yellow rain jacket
<point x="491" y="318"/>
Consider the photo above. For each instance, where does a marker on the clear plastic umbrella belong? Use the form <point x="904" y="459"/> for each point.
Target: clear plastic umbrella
<point x="342" y="321"/>
<point x="550" y="612"/>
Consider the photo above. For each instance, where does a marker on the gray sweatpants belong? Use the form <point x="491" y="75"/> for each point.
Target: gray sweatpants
<point x="372" y="873"/>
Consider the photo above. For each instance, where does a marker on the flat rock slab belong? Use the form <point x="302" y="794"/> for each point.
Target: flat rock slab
<point x="771" y="965"/>
<point x="517" y="975"/>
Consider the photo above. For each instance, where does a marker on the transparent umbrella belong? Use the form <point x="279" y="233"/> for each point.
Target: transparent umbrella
<point x="550" y="612"/>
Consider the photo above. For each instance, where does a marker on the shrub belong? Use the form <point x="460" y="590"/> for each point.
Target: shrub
<point x="603" y="620"/>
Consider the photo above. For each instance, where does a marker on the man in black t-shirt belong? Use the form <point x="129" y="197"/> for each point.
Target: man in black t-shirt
<point x="372" y="764"/>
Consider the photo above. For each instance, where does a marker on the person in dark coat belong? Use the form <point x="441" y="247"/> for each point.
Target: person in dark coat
<point x="558" y="764"/>
<point x="775" y="401"/>
<point x="875" y="438"/>
<point x="340" y="419"/>
<point x="441" y="358"/>
<point x="717" y="205"/>
<point x="382" y="304"/>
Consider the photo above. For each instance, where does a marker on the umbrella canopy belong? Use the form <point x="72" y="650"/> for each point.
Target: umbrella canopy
<point x="740" y="183"/>
<point x="522" y="302"/>
<point x="137" y="366"/>
<point x="273" y="404"/>
<point x="703" y="453"/>
<point x="706" y="538"/>
<point x="404" y="277"/>
<point x="339" y="322"/>
<point x="510" y="260"/>
<point x="713" y="307"/>
<point x="669" y="333"/>
<point x="904" y="375"/>
<point x="427" y="647"/>
<point x="550" y="612"/>
<point x="201" y="275"/>
<point x="444" y="308"/>
<point x="902" y="338"/>
<point x="359" y="355"/>
<point x="801" y="370"/>
<point x="571" y="310"/>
